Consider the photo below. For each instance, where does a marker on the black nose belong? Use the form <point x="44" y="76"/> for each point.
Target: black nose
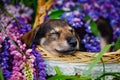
<point x="72" y="41"/>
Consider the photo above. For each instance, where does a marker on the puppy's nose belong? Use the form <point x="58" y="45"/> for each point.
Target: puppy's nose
<point x="72" y="41"/>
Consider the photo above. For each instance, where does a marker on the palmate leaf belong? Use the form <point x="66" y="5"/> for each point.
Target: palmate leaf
<point x="55" y="14"/>
<point x="117" y="44"/>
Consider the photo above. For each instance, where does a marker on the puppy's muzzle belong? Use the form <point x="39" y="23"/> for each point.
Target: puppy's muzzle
<point x="72" y="41"/>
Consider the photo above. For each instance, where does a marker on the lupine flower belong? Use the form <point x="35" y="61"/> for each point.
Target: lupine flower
<point x="75" y="18"/>
<point x="6" y="59"/>
<point x="92" y="43"/>
<point x="39" y="66"/>
<point x="13" y="63"/>
<point x="20" y="11"/>
<point x="94" y="9"/>
<point x="15" y="56"/>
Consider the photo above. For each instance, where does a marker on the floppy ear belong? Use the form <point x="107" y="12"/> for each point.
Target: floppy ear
<point x="29" y="36"/>
<point x="80" y="32"/>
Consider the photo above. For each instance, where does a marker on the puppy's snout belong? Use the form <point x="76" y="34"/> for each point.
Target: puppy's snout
<point x="72" y="41"/>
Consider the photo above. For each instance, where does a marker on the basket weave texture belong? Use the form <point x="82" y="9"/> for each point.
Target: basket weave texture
<point x="80" y="57"/>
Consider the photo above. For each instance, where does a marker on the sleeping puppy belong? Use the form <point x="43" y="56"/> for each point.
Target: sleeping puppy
<point x="54" y="35"/>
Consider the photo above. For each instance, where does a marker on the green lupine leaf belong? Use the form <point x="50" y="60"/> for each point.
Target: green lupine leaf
<point x="99" y="56"/>
<point x="60" y="76"/>
<point x="94" y="28"/>
<point x="12" y="2"/>
<point x="1" y="75"/>
<point x="55" y="14"/>
<point x="34" y="6"/>
<point x="117" y="44"/>
<point x="93" y="25"/>
<point x="81" y="6"/>
<point x="65" y="77"/>
<point x="58" y="72"/>
<point x="87" y="17"/>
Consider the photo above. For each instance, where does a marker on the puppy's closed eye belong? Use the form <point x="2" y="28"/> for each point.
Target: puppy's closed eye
<point x="72" y="31"/>
<point x="53" y="35"/>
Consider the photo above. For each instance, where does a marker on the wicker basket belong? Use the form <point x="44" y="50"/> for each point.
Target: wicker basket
<point x="77" y="62"/>
<point x="81" y="57"/>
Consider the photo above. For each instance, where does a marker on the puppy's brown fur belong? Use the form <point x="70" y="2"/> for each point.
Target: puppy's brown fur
<point x="56" y="36"/>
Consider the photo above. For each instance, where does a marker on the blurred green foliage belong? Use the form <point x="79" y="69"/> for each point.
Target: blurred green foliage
<point x="1" y="75"/>
<point x="117" y="44"/>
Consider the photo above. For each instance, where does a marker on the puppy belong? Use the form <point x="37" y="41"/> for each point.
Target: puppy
<point x="55" y="35"/>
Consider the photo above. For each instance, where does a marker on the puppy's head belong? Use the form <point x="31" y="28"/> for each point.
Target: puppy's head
<point x="55" y="35"/>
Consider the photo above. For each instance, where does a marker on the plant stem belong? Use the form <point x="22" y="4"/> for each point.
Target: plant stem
<point x="103" y="67"/>
<point x="116" y="74"/>
<point x="99" y="56"/>
<point x="1" y="75"/>
<point x="10" y="15"/>
<point x="11" y="39"/>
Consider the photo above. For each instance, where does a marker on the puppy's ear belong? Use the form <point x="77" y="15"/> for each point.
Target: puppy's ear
<point x="29" y="36"/>
<point x="80" y="32"/>
<point x="105" y="29"/>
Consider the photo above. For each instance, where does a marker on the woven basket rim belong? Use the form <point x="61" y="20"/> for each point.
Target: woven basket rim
<point x="80" y="57"/>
